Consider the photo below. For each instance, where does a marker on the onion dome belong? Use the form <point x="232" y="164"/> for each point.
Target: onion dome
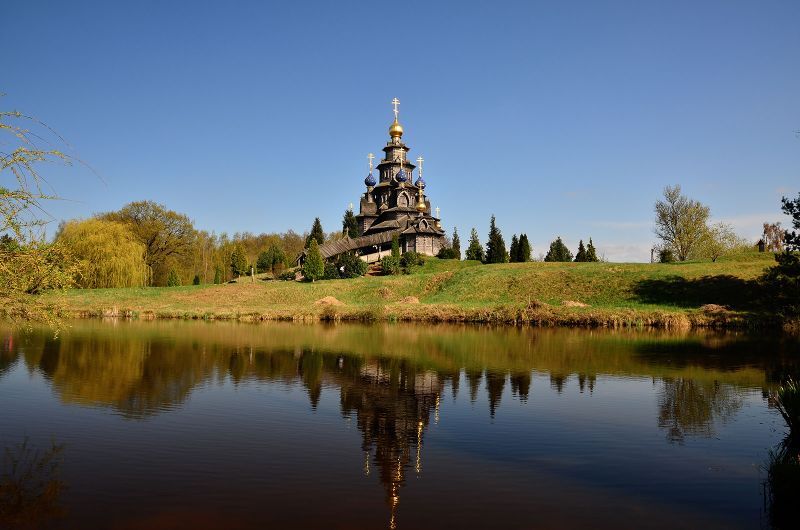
<point x="420" y="183"/>
<point x="401" y="176"/>
<point x="370" y="180"/>
<point x="421" y="203"/>
<point x="396" y="130"/>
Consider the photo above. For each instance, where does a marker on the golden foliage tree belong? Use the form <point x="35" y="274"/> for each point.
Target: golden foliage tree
<point x="109" y="255"/>
<point x="30" y="266"/>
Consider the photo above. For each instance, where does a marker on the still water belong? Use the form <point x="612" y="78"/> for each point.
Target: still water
<point x="217" y="425"/>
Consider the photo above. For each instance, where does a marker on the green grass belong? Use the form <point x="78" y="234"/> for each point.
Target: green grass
<point x="613" y="293"/>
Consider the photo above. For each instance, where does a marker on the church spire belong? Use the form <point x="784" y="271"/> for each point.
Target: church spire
<point x="396" y="130"/>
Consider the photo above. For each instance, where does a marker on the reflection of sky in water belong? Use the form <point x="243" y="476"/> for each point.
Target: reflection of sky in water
<point x="229" y="431"/>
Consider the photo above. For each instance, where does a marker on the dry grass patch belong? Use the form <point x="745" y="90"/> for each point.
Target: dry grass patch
<point x="328" y="300"/>
<point x="573" y="303"/>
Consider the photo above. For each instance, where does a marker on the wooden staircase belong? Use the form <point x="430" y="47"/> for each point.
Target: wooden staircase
<point x="375" y="269"/>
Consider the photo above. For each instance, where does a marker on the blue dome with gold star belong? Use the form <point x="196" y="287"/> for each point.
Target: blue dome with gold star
<point x="370" y="180"/>
<point x="401" y="176"/>
<point x="420" y="183"/>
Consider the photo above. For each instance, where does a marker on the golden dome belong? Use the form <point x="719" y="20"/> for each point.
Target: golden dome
<point x="421" y="203"/>
<point x="396" y="130"/>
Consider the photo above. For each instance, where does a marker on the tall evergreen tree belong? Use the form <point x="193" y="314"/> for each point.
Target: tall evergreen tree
<point x="513" y="251"/>
<point x="456" y="244"/>
<point x="238" y="261"/>
<point x="316" y="233"/>
<point x="475" y="249"/>
<point x="591" y="253"/>
<point x="217" y="276"/>
<point x="524" y="249"/>
<point x="496" y="246"/>
<point x="558" y="251"/>
<point x="581" y="254"/>
<point x="314" y="265"/>
<point x="395" y="246"/>
<point x="350" y="224"/>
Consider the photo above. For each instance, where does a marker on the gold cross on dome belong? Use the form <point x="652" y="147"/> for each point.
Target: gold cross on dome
<point x="396" y="103"/>
<point x="420" y="160"/>
<point x="370" y="156"/>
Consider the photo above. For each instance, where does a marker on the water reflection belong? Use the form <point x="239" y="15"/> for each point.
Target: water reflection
<point x="392" y="379"/>
<point x="30" y="485"/>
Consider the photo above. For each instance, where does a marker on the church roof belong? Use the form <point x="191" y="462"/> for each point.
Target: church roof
<point x="333" y="248"/>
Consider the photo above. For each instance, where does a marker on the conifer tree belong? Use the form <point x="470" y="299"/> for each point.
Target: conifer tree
<point x="513" y="251"/>
<point x="456" y="244"/>
<point x="591" y="253"/>
<point x="581" y="254"/>
<point x="173" y="280"/>
<point x="475" y="249"/>
<point x="395" y="246"/>
<point x="558" y="251"/>
<point x="196" y="280"/>
<point x="314" y="265"/>
<point x="350" y="224"/>
<point x="238" y="261"/>
<point x="316" y="233"/>
<point x="524" y="249"/>
<point x="496" y="246"/>
<point x="217" y="276"/>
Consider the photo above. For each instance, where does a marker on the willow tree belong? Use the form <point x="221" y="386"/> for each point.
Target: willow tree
<point x="109" y="255"/>
<point x="31" y="266"/>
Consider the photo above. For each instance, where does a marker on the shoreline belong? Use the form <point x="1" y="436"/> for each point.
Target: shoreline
<point x="535" y="315"/>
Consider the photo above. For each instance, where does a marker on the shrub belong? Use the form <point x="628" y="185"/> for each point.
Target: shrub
<point x="331" y="272"/>
<point x="353" y="266"/>
<point x="665" y="255"/>
<point x="287" y="275"/>
<point x="390" y="265"/>
<point x="196" y="280"/>
<point x="447" y="253"/>
<point x="410" y="261"/>
<point x="173" y="280"/>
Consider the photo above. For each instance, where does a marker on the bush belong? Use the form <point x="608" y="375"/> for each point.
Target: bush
<point x="173" y="280"/>
<point x="196" y="280"/>
<point x="447" y="253"/>
<point x="353" y="265"/>
<point x="390" y="265"/>
<point x="287" y="275"/>
<point x="410" y="261"/>
<point x="665" y="255"/>
<point x="331" y="272"/>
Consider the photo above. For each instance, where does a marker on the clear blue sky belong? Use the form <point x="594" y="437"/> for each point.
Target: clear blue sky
<point x="561" y="118"/>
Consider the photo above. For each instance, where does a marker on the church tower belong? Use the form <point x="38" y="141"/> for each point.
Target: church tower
<point x="396" y="204"/>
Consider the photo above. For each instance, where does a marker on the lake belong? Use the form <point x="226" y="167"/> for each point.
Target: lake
<point x="173" y="424"/>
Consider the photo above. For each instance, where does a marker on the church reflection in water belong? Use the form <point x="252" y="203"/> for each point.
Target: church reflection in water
<point x="393" y="404"/>
<point x="393" y="397"/>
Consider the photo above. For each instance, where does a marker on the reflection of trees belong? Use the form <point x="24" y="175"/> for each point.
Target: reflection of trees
<point x="30" y="486"/>
<point x="686" y="407"/>
<point x="393" y="402"/>
<point x="8" y="355"/>
<point x="495" y="383"/>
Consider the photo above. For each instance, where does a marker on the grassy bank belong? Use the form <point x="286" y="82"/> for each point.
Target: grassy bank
<point x="701" y="294"/>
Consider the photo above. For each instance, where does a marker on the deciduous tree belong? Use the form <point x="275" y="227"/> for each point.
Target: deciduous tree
<point x="108" y="254"/>
<point x="680" y="222"/>
<point x="168" y="236"/>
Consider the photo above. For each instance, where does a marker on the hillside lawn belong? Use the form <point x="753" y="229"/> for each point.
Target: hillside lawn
<point x="678" y="295"/>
